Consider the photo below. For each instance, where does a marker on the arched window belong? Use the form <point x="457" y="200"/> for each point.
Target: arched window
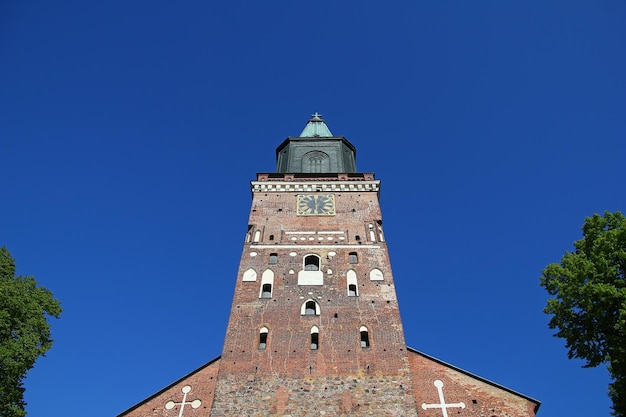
<point x="315" y="338"/>
<point x="273" y="258"/>
<point x="257" y="235"/>
<point x="263" y="338"/>
<point x="315" y="162"/>
<point x="352" y="284"/>
<point x="372" y="234"/>
<point x="365" y="337"/>
<point x="354" y="258"/>
<point x="267" y="284"/>
<point x="310" y="308"/>
<point x="311" y="263"/>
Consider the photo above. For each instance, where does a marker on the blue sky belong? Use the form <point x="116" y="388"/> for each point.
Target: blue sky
<point x="129" y="132"/>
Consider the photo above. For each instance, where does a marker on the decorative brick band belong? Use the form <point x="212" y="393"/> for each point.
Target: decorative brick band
<point x="335" y="186"/>
<point x="296" y="245"/>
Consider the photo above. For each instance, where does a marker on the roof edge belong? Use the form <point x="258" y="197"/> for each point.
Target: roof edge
<point x="161" y="391"/>
<point x="480" y="378"/>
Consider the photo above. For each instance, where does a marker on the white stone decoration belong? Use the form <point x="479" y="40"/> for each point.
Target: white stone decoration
<point x="344" y="186"/>
<point x="249" y="275"/>
<point x="310" y="278"/>
<point x="194" y="404"/>
<point x="442" y="403"/>
<point x="376" y="275"/>
<point x="292" y="254"/>
<point x="253" y="254"/>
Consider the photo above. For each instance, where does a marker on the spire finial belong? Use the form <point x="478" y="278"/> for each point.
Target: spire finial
<point x="316" y="128"/>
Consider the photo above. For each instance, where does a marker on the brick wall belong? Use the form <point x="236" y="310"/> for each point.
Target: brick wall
<point x="202" y="387"/>
<point x="374" y="380"/>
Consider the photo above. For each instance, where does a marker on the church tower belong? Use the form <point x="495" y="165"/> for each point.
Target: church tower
<point x="315" y="327"/>
<point x="315" y="308"/>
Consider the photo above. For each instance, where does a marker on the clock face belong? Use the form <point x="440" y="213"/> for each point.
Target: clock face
<point x="316" y="205"/>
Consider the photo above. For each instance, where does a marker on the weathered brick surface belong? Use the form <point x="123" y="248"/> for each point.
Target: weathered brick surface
<point x="481" y="398"/>
<point x="340" y="378"/>
<point x="202" y="383"/>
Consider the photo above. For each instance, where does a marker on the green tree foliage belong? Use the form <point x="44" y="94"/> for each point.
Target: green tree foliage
<point x="589" y="304"/>
<point x="24" y="332"/>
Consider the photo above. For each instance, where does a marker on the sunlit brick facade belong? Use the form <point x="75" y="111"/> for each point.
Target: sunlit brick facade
<point x="315" y="327"/>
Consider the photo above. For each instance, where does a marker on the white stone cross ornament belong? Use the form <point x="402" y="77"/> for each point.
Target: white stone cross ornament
<point x="194" y="404"/>
<point x="444" y="407"/>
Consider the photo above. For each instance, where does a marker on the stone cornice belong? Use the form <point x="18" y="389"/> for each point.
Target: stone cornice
<point x="313" y="186"/>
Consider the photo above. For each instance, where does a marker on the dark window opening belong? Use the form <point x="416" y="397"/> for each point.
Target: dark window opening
<point x="271" y="237"/>
<point x="365" y="339"/>
<point x="310" y="308"/>
<point x="262" y="341"/>
<point x="357" y="238"/>
<point x="311" y="263"/>
<point x="266" y="292"/>
<point x="314" y="341"/>
<point x="354" y="258"/>
<point x="273" y="258"/>
<point x="351" y="290"/>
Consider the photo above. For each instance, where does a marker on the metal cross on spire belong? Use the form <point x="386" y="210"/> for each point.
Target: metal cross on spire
<point x="194" y="404"/>
<point x="316" y="116"/>
<point x="444" y="407"/>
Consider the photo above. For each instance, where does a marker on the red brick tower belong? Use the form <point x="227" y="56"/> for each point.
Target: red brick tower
<point x="315" y="309"/>
<point x="315" y="327"/>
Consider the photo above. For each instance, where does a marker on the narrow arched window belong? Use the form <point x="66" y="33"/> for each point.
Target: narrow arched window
<point x="315" y="162"/>
<point x="263" y="338"/>
<point x="310" y="308"/>
<point x="311" y="263"/>
<point x="315" y="338"/>
<point x="257" y="235"/>
<point x="354" y="258"/>
<point x="365" y="337"/>
<point x="352" y="284"/>
<point x="267" y="284"/>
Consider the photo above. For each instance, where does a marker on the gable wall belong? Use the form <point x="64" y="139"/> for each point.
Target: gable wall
<point x="481" y="398"/>
<point x="202" y="383"/>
